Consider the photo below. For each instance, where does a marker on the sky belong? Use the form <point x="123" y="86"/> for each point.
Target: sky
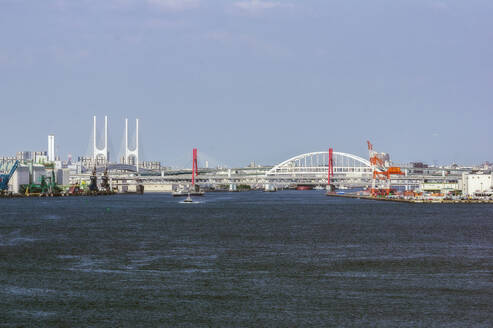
<point x="250" y="80"/>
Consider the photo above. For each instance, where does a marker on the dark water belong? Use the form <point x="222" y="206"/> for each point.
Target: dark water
<point x="285" y="259"/>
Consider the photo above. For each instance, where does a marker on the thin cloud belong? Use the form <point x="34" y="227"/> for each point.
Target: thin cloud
<point x="254" y="45"/>
<point x="174" y="5"/>
<point x="218" y="36"/>
<point x="154" y="23"/>
<point x="161" y="5"/>
<point x="258" y="5"/>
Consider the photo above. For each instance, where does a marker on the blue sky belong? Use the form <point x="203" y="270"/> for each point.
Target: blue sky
<point x="251" y="80"/>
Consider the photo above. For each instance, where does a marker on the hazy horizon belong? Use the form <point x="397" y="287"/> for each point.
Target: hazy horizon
<point x="250" y="80"/>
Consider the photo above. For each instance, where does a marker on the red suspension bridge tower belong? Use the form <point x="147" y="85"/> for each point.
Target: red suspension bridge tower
<point x="330" y="170"/>
<point x="194" y="167"/>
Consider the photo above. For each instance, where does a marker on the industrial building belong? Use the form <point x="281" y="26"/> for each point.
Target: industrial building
<point x="444" y="188"/>
<point x="32" y="173"/>
<point x="32" y="156"/>
<point x="476" y="183"/>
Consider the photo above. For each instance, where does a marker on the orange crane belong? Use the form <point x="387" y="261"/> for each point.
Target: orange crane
<point x="381" y="171"/>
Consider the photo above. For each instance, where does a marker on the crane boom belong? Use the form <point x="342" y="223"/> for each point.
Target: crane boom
<point x="381" y="171"/>
<point x="5" y="178"/>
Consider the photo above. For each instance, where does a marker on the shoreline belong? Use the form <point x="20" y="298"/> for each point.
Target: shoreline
<point x="414" y="201"/>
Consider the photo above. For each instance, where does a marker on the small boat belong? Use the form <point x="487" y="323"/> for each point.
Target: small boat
<point x="270" y="188"/>
<point x="188" y="199"/>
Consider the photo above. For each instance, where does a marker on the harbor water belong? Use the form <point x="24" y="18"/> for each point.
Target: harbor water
<point x="249" y="259"/>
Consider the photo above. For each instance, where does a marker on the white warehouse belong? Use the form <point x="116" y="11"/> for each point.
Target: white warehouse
<point x="476" y="183"/>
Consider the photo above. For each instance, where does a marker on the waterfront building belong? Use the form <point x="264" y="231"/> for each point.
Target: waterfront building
<point x="38" y="157"/>
<point x="444" y="187"/>
<point x="476" y="183"/>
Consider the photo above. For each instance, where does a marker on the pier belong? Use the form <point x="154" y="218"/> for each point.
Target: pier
<point x="414" y="200"/>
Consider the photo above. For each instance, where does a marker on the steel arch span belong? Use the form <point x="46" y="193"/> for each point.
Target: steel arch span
<point x="315" y="164"/>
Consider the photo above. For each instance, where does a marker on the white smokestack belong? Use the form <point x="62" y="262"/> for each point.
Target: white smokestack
<point x="51" y="148"/>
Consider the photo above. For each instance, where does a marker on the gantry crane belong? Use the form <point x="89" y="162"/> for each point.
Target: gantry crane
<point x="381" y="170"/>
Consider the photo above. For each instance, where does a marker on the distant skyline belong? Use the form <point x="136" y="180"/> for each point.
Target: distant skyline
<point x="250" y="80"/>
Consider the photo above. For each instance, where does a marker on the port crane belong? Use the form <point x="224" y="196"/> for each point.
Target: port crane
<point x="382" y="172"/>
<point x="5" y="178"/>
<point x="46" y="187"/>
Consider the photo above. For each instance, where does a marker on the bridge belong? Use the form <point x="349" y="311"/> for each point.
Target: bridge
<point x="305" y="169"/>
<point x="350" y="171"/>
<point x="309" y="169"/>
<point x="312" y="168"/>
<point x="316" y="164"/>
<point x="124" y="168"/>
<point x="130" y="169"/>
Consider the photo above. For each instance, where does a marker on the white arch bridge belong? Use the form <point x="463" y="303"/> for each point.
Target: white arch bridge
<point x="312" y="168"/>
